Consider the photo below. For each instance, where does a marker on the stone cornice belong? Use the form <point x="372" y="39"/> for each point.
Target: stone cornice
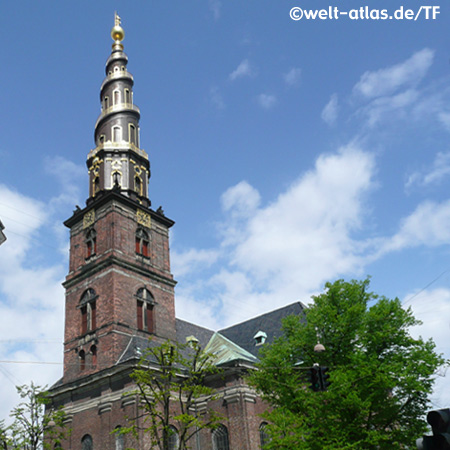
<point x="99" y="265"/>
<point x="109" y="195"/>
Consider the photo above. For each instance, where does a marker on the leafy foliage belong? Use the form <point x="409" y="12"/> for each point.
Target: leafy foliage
<point x="380" y="375"/>
<point x="171" y="381"/>
<point x="32" y="427"/>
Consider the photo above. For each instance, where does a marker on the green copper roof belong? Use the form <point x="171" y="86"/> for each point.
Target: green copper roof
<point x="225" y="350"/>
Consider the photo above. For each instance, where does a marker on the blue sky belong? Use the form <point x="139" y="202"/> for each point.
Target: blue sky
<point x="289" y="153"/>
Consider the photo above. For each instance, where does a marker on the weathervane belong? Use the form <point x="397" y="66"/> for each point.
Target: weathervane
<point x="117" y="19"/>
<point x="117" y="32"/>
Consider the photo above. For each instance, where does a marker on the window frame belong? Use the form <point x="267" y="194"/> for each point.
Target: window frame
<point x="145" y="303"/>
<point x="88" y="308"/>
<point x="220" y="438"/>
<point x="142" y="243"/>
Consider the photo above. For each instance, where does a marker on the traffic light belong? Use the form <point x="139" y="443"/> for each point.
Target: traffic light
<point x="440" y="424"/>
<point x="314" y="378"/>
<point x="324" y="376"/>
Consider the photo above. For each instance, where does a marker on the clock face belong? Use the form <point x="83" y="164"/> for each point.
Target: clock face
<point x="89" y="218"/>
<point x="143" y="218"/>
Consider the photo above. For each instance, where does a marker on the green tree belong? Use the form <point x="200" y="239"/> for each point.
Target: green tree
<point x="171" y="380"/>
<point x="380" y="375"/>
<point x="32" y="428"/>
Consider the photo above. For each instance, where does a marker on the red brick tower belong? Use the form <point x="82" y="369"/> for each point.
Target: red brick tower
<point x="119" y="283"/>
<point x="119" y="290"/>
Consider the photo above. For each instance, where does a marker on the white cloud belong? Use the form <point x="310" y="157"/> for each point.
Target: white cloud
<point x="215" y="6"/>
<point x="244" y="69"/>
<point x="432" y="307"/>
<point x="216" y="97"/>
<point x="444" y="118"/>
<point x="277" y="253"/>
<point x="31" y="297"/>
<point x="241" y="199"/>
<point x="426" y="225"/>
<point x="266" y="101"/>
<point x="440" y="169"/>
<point x="385" y="108"/>
<point x="330" y="111"/>
<point x="386" y="81"/>
<point x="292" y="78"/>
<point x="191" y="260"/>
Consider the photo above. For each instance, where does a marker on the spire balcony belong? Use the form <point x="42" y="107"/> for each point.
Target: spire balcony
<point x="115" y="109"/>
<point x="120" y="74"/>
<point x="117" y="147"/>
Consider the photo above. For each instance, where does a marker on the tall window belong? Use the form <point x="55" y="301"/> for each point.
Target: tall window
<point x="86" y="443"/>
<point x="88" y="311"/>
<point x="117" y="134"/>
<point x="174" y="439"/>
<point x="94" y="356"/>
<point x="96" y="183"/>
<point x="106" y="103"/>
<point x="120" y="439"/>
<point x="132" y="133"/>
<point x="142" y="243"/>
<point x="138" y="185"/>
<point x="145" y="303"/>
<point x="116" y="97"/>
<point x="127" y="96"/>
<point x="91" y="243"/>
<point x="116" y="179"/>
<point x="220" y="438"/>
<point x="263" y="435"/>
<point x="82" y="356"/>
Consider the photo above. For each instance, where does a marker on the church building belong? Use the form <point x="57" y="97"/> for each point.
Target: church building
<point x="120" y="291"/>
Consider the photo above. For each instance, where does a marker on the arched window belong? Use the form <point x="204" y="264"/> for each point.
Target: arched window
<point x="96" y="183"/>
<point x="145" y="303"/>
<point x="88" y="311"/>
<point x="142" y="243"/>
<point x="82" y="356"/>
<point x="174" y="438"/>
<point x="131" y="133"/>
<point x="117" y="133"/>
<point x="86" y="443"/>
<point x="127" y="96"/>
<point x="116" y="97"/>
<point x="138" y="185"/>
<point x="120" y="439"/>
<point x="91" y="243"/>
<point x="116" y="178"/>
<point x="106" y="103"/>
<point x="94" y="356"/>
<point x="220" y="438"/>
<point x="263" y="435"/>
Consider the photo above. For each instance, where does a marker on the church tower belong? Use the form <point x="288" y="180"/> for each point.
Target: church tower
<point x="120" y="292"/>
<point x="119" y="284"/>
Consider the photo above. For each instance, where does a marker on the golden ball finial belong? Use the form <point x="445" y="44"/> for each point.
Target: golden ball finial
<point x="117" y="32"/>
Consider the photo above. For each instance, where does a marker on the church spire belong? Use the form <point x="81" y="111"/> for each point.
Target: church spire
<point x="117" y="162"/>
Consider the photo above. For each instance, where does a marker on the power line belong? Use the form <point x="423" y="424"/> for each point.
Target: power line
<point x="426" y="287"/>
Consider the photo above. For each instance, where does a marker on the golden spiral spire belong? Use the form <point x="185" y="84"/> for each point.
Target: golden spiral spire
<point x="117" y="32"/>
